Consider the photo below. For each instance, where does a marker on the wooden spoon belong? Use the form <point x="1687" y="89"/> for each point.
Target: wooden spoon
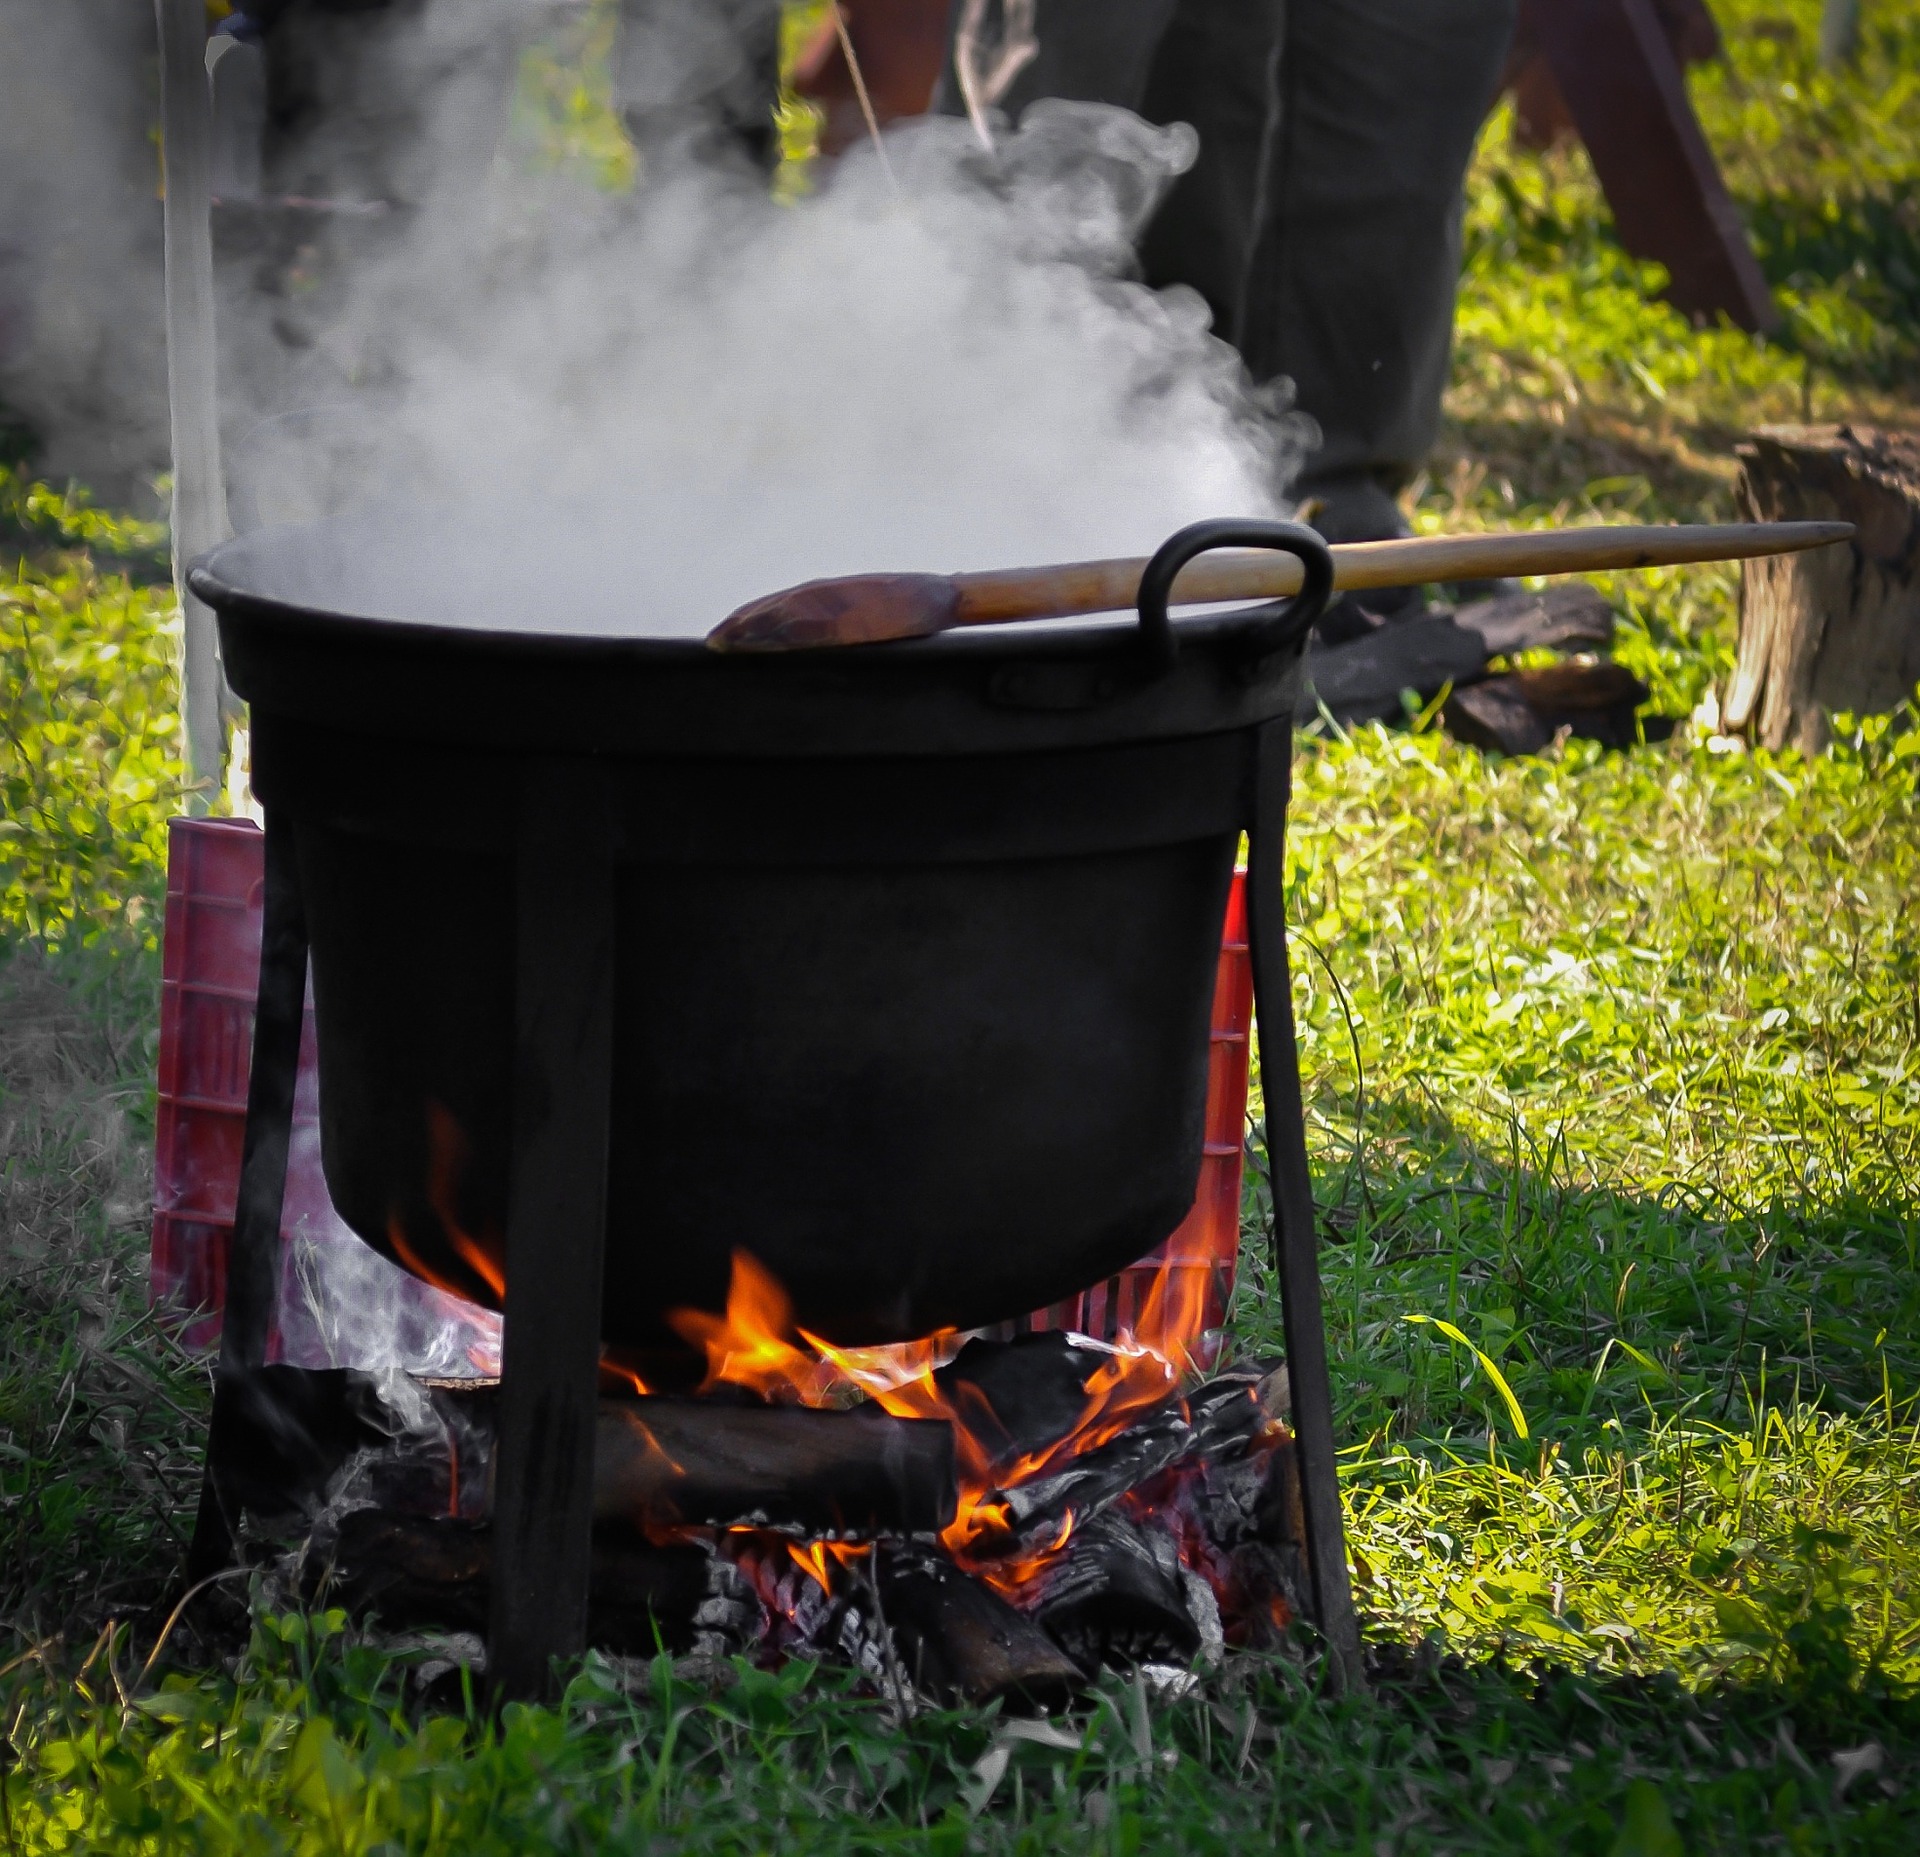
<point x="870" y="609"/>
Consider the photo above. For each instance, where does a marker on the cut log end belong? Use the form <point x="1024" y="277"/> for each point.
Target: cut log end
<point x="1838" y="628"/>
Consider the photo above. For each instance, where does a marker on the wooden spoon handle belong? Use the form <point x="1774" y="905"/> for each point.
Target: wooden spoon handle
<point x="1112" y="586"/>
<point x="872" y="608"/>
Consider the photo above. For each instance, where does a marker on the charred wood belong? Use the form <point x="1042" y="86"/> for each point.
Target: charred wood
<point x="1224" y="1418"/>
<point x="1118" y="1597"/>
<point x="1241" y="1527"/>
<point x="959" y="1641"/>
<point x="1361" y="681"/>
<point x="417" y="1572"/>
<point x="1523" y="711"/>
<point x="1021" y="1396"/>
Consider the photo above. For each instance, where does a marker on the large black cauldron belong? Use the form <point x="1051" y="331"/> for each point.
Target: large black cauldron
<point x="914" y="944"/>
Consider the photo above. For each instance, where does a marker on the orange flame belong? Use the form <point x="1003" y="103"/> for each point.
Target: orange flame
<point x="748" y="1346"/>
<point x="612" y="1367"/>
<point x="447" y="1156"/>
<point x="813" y="1558"/>
<point x="756" y="1345"/>
<point x="448" y="1159"/>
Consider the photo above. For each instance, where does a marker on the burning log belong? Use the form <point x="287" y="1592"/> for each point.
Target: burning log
<point x="664" y="1463"/>
<point x="960" y="1641"/>
<point x="1118" y="1596"/>
<point x="1224" y="1418"/>
<point x="858" y="1473"/>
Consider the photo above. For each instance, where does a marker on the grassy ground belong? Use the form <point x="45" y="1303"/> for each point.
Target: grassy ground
<point x="1613" y="1067"/>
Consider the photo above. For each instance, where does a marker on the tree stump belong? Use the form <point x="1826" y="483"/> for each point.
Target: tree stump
<point x="1836" y="628"/>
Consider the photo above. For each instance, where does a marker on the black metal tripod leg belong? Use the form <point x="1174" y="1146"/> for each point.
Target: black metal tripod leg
<point x="556" y="1241"/>
<point x="1296" y="1243"/>
<point x="253" y="1253"/>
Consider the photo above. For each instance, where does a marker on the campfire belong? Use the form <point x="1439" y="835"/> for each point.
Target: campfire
<point x="960" y="1518"/>
<point x="971" y="1516"/>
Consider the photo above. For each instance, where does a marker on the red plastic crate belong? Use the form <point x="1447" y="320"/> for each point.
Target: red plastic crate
<point x="210" y="975"/>
<point x="210" y="972"/>
<point x="210" y="968"/>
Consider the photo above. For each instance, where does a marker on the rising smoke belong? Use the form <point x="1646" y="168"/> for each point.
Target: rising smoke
<point x="631" y="412"/>
<point x="82" y="336"/>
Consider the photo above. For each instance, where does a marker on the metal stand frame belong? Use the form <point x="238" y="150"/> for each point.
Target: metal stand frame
<point x="556" y="1227"/>
<point x="1296" y="1245"/>
<point x="253" y="1255"/>
<point x="556" y="1236"/>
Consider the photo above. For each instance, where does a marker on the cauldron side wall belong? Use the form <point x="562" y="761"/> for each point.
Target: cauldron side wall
<point x="912" y="982"/>
<point x="923" y="1096"/>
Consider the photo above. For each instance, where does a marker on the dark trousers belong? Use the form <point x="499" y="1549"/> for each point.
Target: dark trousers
<point x="699" y="71"/>
<point x="1322" y="219"/>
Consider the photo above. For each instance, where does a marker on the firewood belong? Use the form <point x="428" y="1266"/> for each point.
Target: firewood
<point x="417" y="1572"/>
<point x="1117" y="1597"/>
<point x="1837" y="628"/>
<point x="854" y="1473"/>
<point x="1361" y="681"/>
<point x="663" y="1461"/>
<point x="959" y="1641"/>
<point x="286" y="1432"/>
<point x="1523" y="711"/>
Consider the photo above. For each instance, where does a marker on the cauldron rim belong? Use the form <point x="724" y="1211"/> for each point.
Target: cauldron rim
<point x="988" y="690"/>
<point x="1101" y="634"/>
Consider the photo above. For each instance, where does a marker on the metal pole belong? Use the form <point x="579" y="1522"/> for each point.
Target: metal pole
<point x="199" y="495"/>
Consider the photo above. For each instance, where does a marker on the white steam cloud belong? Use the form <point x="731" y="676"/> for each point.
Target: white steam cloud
<point x="535" y="405"/>
<point x="632" y="413"/>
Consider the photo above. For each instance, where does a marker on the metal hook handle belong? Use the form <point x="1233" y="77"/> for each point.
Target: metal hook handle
<point x="1278" y="628"/>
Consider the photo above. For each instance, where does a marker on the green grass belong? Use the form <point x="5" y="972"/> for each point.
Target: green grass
<point x="1613" y="1068"/>
<point x="90" y="765"/>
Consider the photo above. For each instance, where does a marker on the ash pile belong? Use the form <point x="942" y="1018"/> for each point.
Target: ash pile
<point x="998" y="1524"/>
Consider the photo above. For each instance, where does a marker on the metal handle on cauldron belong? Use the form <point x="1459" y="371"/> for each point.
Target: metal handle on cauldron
<point x="1284" y="623"/>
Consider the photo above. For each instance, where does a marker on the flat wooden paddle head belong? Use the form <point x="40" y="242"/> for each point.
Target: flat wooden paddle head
<point x="864" y="609"/>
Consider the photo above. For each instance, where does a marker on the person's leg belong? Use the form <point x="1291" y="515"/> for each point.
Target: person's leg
<point x="1217" y="67"/>
<point x="1352" y="288"/>
<point x="1090" y="51"/>
<point x="700" y="74"/>
<point x="1210" y="63"/>
<point x="387" y="100"/>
